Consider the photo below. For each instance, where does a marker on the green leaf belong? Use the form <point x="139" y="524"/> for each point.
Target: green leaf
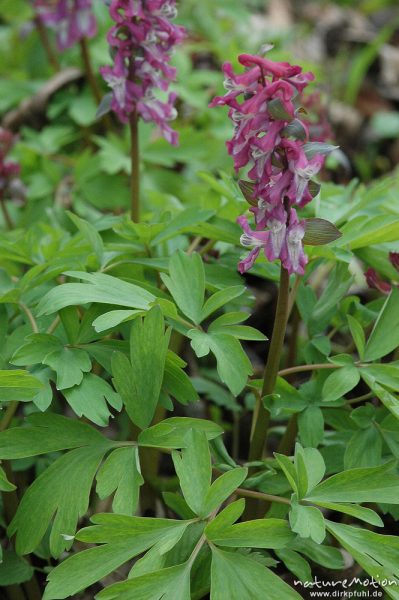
<point x="186" y="283"/>
<point x="295" y="129"/>
<point x="228" y="516"/>
<point x="220" y="298"/>
<point x="319" y="232"/>
<point x="113" y="318"/>
<point x="181" y="221"/>
<point x="100" y="288"/>
<point x="5" y="485"/>
<point x="177" y="383"/>
<point x="172" y="433"/>
<point x="37" y="347"/>
<point x="377" y="554"/>
<point x="172" y="583"/>
<point x="18" y="385"/>
<point x="375" y="484"/>
<point x="139" y="382"/>
<point x="311" y="426"/>
<point x="385" y="335"/>
<point x="194" y="463"/>
<point x="359" y="512"/>
<point x="233" y="365"/>
<point x="69" y="364"/>
<point x="389" y="400"/>
<point x="46" y="433"/>
<point x="310" y="468"/>
<point x="364" y="449"/>
<point x="259" y="533"/>
<point x="340" y="382"/>
<point x="307" y="521"/>
<point x="89" y="399"/>
<point x="120" y="473"/>
<point x="326" y="556"/>
<point x="288" y="469"/>
<point x="237" y="576"/>
<point x="364" y="230"/>
<point x="14" y="570"/>
<point x="62" y="491"/>
<point x="295" y="563"/>
<point x="177" y="503"/>
<point x="357" y="334"/>
<point x="313" y="149"/>
<point x="277" y="110"/>
<point x="339" y="283"/>
<point x="223" y="487"/>
<point x="122" y="537"/>
<point x="89" y="233"/>
<point x="385" y="374"/>
<point x="248" y="189"/>
<point x="242" y="332"/>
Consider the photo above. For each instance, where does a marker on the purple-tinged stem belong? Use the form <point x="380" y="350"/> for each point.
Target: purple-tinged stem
<point x="92" y="81"/>
<point x="135" y="164"/>
<point x="52" y="58"/>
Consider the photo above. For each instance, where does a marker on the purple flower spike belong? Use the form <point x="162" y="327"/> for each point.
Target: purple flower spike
<point x="72" y="20"/>
<point x="269" y="137"/>
<point x="142" y="41"/>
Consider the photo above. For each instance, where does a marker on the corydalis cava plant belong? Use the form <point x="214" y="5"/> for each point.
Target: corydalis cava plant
<point x="142" y="41"/>
<point x="72" y="20"/>
<point x="270" y="137"/>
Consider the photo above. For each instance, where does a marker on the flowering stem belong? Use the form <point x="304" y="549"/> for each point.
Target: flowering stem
<point x="261" y="416"/>
<point x="135" y="162"/>
<point x="85" y="53"/>
<point x="52" y="58"/>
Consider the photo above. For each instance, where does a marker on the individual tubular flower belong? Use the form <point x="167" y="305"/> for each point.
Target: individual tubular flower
<point x="72" y="20"/>
<point x="142" y="41"/>
<point x="270" y="137"/>
<point x="11" y="186"/>
<point x="375" y="282"/>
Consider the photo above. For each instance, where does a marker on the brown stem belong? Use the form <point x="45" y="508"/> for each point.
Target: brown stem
<point x="10" y="412"/>
<point x="14" y="592"/>
<point x="85" y="53"/>
<point x="6" y="215"/>
<point x="293" y="341"/>
<point x="261" y="416"/>
<point x="287" y="442"/>
<point x="303" y="368"/>
<point x="30" y="316"/>
<point x="261" y="496"/>
<point x="208" y="247"/>
<point x="52" y="58"/>
<point x="362" y="398"/>
<point x="135" y="163"/>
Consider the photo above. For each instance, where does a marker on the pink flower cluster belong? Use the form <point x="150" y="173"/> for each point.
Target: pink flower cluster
<point x="11" y="186"/>
<point x="374" y="280"/>
<point x="142" y="40"/>
<point x="72" y="20"/>
<point x="270" y="137"/>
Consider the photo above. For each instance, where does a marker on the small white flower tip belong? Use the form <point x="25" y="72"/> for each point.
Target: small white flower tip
<point x="265" y="48"/>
